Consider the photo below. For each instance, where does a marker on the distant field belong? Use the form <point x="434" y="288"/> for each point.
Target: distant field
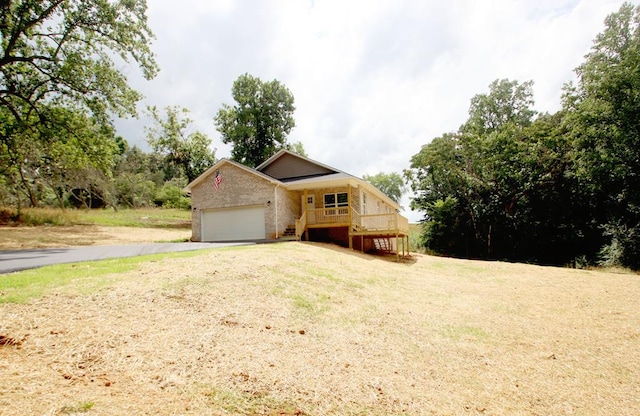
<point x="151" y="217"/>
<point x="147" y="217"/>
<point x="312" y="329"/>
<point x="47" y="228"/>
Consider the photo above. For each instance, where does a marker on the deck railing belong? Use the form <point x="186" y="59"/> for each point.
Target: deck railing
<point x="384" y="222"/>
<point x="328" y="217"/>
<point x="403" y="223"/>
<point x="301" y="224"/>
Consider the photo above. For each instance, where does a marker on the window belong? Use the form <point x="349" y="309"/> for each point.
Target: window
<point x="330" y="200"/>
<point x="336" y="200"/>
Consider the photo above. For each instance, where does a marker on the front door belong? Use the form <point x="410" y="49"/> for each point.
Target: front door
<point x="311" y="205"/>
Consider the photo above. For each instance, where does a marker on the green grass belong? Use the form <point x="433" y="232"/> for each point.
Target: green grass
<point x="151" y="217"/>
<point x="77" y="408"/>
<point x="251" y="402"/>
<point x="148" y="217"/>
<point x="457" y="333"/>
<point x="321" y="274"/>
<point x="306" y="288"/>
<point x="81" y="278"/>
<point x="312" y="304"/>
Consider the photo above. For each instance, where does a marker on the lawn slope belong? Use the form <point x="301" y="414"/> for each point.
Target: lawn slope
<point x="301" y="328"/>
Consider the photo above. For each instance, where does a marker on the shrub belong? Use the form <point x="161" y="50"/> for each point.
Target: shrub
<point x="624" y="247"/>
<point x="172" y="196"/>
<point x="7" y="216"/>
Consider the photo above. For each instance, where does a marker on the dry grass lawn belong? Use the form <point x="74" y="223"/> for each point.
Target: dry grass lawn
<point x="311" y="329"/>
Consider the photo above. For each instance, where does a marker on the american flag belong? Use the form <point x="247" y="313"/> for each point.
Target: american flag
<point x="217" y="180"/>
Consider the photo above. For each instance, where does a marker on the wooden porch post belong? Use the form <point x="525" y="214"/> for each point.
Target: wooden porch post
<point x="350" y="213"/>
<point x="350" y="228"/>
<point x="304" y="212"/>
<point x="350" y="207"/>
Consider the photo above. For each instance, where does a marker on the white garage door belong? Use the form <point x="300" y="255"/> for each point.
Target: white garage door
<point x="233" y="224"/>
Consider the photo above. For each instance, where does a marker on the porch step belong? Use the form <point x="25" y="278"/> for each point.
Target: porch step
<point x="382" y="244"/>
<point x="290" y="231"/>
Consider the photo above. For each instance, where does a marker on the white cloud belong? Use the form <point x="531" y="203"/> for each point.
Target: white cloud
<point x="373" y="80"/>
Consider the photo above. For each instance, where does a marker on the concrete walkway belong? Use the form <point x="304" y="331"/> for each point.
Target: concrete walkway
<point x="15" y="260"/>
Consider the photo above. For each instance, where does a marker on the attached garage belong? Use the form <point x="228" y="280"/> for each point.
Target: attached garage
<point x="235" y="224"/>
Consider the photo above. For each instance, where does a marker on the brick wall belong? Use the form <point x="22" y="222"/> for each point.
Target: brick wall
<point x="241" y="188"/>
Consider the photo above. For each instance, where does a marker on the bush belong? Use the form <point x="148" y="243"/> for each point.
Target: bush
<point x="8" y="216"/>
<point x="623" y="249"/>
<point x="134" y="191"/>
<point x="38" y="216"/>
<point x="440" y="232"/>
<point x="172" y="196"/>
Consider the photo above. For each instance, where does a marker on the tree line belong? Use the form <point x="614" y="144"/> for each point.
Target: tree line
<point x="559" y="188"/>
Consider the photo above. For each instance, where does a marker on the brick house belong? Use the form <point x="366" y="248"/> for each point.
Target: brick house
<point x="293" y="196"/>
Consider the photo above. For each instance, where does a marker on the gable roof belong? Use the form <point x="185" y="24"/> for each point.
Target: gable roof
<point x="287" y="166"/>
<point x="283" y="152"/>
<point x="307" y="172"/>
<point x="221" y="163"/>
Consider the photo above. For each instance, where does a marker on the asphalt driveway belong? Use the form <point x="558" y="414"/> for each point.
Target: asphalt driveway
<point x="15" y="260"/>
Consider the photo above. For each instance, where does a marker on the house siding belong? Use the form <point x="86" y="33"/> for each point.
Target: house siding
<point x="238" y="189"/>
<point x="290" y="166"/>
<point x="354" y="196"/>
<point x="288" y="211"/>
<point x="375" y="205"/>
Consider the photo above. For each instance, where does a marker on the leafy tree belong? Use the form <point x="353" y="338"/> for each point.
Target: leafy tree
<point x="443" y="232"/>
<point x="134" y="190"/>
<point x="603" y="118"/>
<point x="477" y="167"/>
<point x="500" y="190"/>
<point x="296" y="147"/>
<point x="172" y="196"/>
<point x="186" y="150"/>
<point x="63" y="50"/>
<point x="391" y="184"/>
<point x="259" y="123"/>
<point x="558" y="188"/>
<point x="442" y="185"/>
<point x="59" y="159"/>
<point x="59" y="54"/>
<point x="507" y="102"/>
<point x="137" y="175"/>
<point x="436" y="171"/>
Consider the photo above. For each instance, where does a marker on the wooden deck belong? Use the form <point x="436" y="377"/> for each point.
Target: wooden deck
<point x="371" y="224"/>
<point x="377" y="228"/>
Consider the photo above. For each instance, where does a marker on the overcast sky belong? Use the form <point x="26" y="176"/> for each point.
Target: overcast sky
<point x="373" y="80"/>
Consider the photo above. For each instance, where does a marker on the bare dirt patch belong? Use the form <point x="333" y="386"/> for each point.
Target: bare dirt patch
<point x="308" y="329"/>
<point x="16" y="238"/>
